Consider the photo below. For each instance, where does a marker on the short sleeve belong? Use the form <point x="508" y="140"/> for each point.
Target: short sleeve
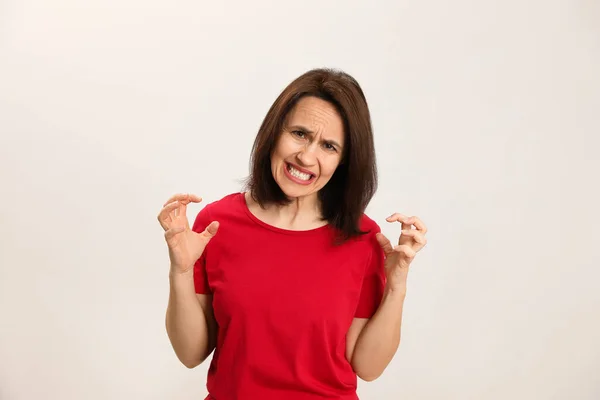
<point x="373" y="283"/>
<point x="200" y="277"/>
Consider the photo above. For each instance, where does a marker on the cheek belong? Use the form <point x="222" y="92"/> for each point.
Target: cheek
<point x="279" y="152"/>
<point x="329" y="167"/>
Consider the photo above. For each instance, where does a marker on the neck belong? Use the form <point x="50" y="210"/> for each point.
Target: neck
<point x="302" y="213"/>
<point x="301" y="208"/>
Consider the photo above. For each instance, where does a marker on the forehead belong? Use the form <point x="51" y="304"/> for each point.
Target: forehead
<point x="317" y="115"/>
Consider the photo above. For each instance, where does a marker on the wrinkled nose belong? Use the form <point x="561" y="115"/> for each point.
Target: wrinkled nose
<point x="307" y="157"/>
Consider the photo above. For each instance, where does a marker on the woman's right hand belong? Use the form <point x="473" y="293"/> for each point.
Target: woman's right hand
<point x="185" y="245"/>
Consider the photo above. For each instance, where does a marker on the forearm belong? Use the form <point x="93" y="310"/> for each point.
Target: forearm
<point x="186" y="322"/>
<point x="380" y="338"/>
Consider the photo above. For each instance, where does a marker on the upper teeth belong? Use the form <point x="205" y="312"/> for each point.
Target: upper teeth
<point x="298" y="174"/>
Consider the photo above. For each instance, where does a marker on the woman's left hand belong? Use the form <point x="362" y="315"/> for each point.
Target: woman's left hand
<point x="398" y="258"/>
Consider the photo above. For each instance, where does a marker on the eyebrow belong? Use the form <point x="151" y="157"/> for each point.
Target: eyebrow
<point x="306" y="130"/>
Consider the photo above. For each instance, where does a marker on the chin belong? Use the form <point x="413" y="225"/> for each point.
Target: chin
<point x="295" y="192"/>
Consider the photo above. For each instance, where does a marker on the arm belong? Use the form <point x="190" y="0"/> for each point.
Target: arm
<point x="189" y="320"/>
<point x="372" y="343"/>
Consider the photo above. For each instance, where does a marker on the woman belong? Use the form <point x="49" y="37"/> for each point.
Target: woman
<point x="291" y="284"/>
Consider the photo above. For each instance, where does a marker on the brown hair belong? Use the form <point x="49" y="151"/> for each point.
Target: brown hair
<point x="345" y="197"/>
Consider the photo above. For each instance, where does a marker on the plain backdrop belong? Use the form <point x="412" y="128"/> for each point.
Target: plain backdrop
<point x="487" y="122"/>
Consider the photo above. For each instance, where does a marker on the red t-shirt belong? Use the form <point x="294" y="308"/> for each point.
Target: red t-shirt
<point x="284" y="301"/>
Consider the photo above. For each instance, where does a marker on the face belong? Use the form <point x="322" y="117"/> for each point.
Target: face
<point x="309" y="149"/>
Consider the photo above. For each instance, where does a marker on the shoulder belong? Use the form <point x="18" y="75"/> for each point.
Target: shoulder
<point x="369" y="229"/>
<point x="225" y="205"/>
<point x="367" y="224"/>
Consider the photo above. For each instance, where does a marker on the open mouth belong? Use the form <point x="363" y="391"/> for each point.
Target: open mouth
<point x="298" y="175"/>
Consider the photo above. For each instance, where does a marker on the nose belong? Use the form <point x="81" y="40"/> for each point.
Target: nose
<point x="307" y="156"/>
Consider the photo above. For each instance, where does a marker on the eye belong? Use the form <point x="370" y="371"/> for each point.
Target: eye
<point x="300" y="134"/>
<point x="329" y="147"/>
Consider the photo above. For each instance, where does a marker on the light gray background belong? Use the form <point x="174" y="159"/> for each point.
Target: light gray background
<point x="486" y="122"/>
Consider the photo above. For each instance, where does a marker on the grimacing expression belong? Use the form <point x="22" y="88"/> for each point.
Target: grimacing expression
<point x="309" y="148"/>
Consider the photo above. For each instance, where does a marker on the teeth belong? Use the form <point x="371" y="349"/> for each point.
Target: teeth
<point x="298" y="174"/>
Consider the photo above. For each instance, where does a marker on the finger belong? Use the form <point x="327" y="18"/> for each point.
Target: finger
<point x="384" y="242"/>
<point x="164" y="217"/>
<point x="407" y="222"/>
<point x="403" y="219"/>
<point x="212" y="228"/>
<point x="175" y="197"/>
<point x="184" y="198"/>
<point x="173" y="207"/>
<point x="183" y="208"/>
<point x="419" y="225"/>
<point x="191" y="198"/>
<point x="396" y="217"/>
<point x="209" y="232"/>
<point x="173" y="231"/>
<point x="405" y="251"/>
<point x="416" y="235"/>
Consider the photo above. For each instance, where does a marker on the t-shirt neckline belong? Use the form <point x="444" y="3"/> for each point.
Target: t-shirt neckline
<point x="254" y="218"/>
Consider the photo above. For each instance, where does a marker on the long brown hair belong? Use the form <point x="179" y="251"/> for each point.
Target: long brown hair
<point x="345" y="197"/>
